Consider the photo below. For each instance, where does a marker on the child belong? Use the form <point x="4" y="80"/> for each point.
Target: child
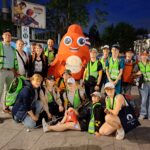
<point x="97" y="114"/>
<point x="79" y="121"/>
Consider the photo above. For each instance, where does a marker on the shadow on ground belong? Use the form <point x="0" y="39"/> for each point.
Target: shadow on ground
<point x="142" y="135"/>
<point x="84" y="147"/>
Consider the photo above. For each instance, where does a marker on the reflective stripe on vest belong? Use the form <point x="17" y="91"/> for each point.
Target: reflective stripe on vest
<point x="91" y="128"/>
<point x="93" y="69"/>
<point x="114" y="68"/>
<point x="145" y="70"/>
<point x="2" y="57"/>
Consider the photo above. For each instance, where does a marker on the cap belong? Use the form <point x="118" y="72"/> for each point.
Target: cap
<point x="71" y="80"/>
<point x="51" y="77"/>
<point x="105" y="47"/>
<point x="109" y="85"/>
<point x="117" y="46"/>
<point x="7" y="30"/>
<point x="67" y="71"/>
<point x="130" y="50"/>
<point x="96" y="94"/>
<point x="93" y="49"/>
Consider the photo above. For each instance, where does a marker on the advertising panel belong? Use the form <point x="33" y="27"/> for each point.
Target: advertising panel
<point x="28" y="14"/>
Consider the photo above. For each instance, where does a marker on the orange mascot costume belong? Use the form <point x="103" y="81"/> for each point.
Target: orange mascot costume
<point x="73" y="53"/>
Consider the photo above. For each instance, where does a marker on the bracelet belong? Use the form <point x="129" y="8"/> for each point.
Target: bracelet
<point x="97" y="84"/>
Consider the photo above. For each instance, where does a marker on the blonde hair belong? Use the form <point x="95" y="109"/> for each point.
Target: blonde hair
<point x="20" y="40"/>
<point x="36" y="77"/>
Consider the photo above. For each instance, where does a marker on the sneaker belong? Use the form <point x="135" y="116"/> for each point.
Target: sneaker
<point x="120" y="134"/>
<point x="45" y="125"/>
<point x="141" y="117"/>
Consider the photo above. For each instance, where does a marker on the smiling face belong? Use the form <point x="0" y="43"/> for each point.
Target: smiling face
<point x="73" y="49"/>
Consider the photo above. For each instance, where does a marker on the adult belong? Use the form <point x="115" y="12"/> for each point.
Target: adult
<point x="103" y="60"/>
<point x="51" y="97"/>
<point x="50" y="51"/>
<point x="22" y="58"/>
<point x="73" y="96"/>
<point x="114" y="103"/>
<point x="8" y="64"/>
<point x="27" y="107"/>
<point x="39" y="62"/>
<point x="114" y="68"/>
<point x="144" y="69"/>
<point x="93" y="74"/>
<point x="129" y="69"/>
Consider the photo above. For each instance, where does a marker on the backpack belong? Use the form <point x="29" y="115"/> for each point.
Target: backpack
<point x="14" y="89"/>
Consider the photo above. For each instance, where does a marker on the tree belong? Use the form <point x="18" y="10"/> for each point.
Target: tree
<point x="122" y="33"/>
<point x="94" y="36"/>
<point x="61" y="14"/>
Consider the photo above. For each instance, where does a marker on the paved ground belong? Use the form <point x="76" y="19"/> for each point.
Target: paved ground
<point x="14" y="136"/>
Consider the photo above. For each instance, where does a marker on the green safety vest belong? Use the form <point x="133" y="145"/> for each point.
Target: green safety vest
<point x="103" y="63"/>
<point x="2" y="57"/>
<point x="76" y="100"/>
<point x="109" y="105"/>
<point x="93" y="70"/>
<point x="91" y="128"/>
<point x="114" y="68"/>
<point x="50" y="97"/>
<point x="49" y="54"/>
<point x="145" y="70"/>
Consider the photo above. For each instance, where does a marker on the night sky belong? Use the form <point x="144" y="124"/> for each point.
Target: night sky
<point x="134" y="12"/>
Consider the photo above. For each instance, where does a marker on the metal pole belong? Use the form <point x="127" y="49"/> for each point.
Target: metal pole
<point x="5" y="10"/>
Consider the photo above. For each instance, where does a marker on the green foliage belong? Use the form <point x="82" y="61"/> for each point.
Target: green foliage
<point x="122" y="33"/>
<point x="60" y="14"/>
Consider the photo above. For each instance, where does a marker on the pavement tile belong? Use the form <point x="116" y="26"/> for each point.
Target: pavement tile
<point x="6" y="135"/>
<point x="24" y="140"/>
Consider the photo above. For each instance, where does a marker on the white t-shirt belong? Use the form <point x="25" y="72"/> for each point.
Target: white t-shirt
<point x="22" y="70"/>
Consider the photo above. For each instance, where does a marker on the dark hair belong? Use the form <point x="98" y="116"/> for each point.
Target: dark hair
<point x="23" y="4"/>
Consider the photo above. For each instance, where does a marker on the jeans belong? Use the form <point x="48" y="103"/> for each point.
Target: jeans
<point x="28" y="121"/>
<point x="145" y="97"/>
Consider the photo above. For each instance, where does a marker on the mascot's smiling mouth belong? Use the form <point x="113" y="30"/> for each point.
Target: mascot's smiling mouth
<point x="74" y="49"/>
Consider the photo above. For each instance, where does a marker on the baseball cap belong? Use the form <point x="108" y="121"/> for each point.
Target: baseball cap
<point x="67" y="71"/>
<point x="71" y="80"/>
<point x="93" y="49"/>
<point x="51" y="77"/>
<point x="7" y="30"/>
<point x="96" y="94"/>
<point x="109" y="85"/>
<point x="105" y="47"/>
<point x="117" y="46"/>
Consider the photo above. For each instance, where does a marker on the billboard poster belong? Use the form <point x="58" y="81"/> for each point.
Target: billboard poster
<point x="28" y="14"/>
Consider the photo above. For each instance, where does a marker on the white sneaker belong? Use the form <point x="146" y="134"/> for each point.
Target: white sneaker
<point x="141" y="117"/>
<point x="45" y="125"/>
<point x="120" y="134"/>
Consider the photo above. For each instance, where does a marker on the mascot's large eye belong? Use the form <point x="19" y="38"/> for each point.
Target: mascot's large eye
<point x="81" y="41"/>
<point x="67" y="40"/>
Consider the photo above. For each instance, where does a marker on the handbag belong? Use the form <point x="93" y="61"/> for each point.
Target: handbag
<point x="128" y="118"/>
